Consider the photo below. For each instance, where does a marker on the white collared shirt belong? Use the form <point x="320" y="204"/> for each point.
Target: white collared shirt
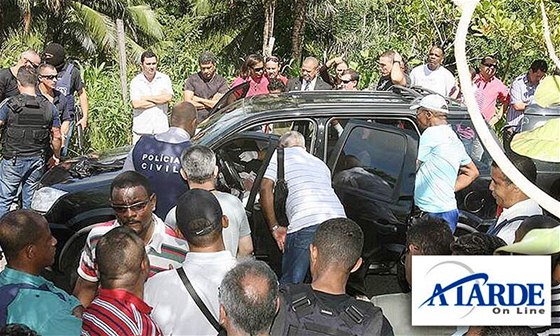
<point x="152" y="120"/>
<point x="525" y="208"/>
<point x="311" y="84"/>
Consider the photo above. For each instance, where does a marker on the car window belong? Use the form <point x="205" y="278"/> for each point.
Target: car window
<point x="371" y="160"/>
<point x="306" y="127"/>
<point x="466" y="133"/>
<point x="336" y="127"/>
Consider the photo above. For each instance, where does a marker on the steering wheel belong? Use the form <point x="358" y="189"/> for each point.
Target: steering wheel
<point x="230" y="173"/>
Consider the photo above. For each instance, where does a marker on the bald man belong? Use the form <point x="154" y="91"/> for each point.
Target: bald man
<point x="158" y="157"/>
<point x="308" y="81"/>
<point x="8" y="80"/>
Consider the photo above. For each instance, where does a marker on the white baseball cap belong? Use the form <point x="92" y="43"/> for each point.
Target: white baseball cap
<point x="433" y="102"/>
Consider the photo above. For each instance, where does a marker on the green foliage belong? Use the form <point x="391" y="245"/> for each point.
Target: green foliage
<point x="110" y="120"/>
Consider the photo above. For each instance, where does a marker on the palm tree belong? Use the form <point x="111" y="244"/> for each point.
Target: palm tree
<point x="86" y="25"/>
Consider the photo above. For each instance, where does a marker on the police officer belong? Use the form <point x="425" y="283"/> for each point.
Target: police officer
<point x="158" y="157"/>
<point x="69" y="81"/>
<point x="30" y="127"/>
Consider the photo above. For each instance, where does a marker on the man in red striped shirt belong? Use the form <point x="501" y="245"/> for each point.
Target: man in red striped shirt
<point x="119" y="309"/>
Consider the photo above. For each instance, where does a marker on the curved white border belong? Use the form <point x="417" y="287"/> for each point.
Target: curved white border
<point x="532" y="191"/>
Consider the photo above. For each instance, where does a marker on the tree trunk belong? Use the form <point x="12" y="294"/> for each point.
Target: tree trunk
<point x="268" y="30"/>
<point x="299" y="29"/>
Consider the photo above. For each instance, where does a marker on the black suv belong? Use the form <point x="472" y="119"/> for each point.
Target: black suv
<point x="372" y="157"/>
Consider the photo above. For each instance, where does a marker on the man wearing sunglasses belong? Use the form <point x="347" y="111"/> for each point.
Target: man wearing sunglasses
<point x="46" y="87"/>
<point x="69" y="82"/>
<point x="349" y="80"/>
<point x="133" y="201"/>
<point x="8" y="80"/>
<point x="490" y="89"/>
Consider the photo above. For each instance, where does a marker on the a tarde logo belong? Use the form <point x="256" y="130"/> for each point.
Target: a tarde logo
<point x="481" y="290"/>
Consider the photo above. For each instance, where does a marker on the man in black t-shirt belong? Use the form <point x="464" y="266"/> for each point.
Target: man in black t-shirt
<point x="204" y="88"/>
<point x="8" y="81"/>
<point x="324" y="307"/>
<point x="391" y="66"/>
<point x="69" y="82"/>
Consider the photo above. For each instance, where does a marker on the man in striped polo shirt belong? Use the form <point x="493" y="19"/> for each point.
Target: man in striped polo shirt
<point x="133" y="200"/>
<point x="119" y="309"/>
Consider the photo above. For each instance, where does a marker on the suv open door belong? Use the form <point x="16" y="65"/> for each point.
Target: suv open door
<point x="373" y="168"/>
<point x="233" y="94"/>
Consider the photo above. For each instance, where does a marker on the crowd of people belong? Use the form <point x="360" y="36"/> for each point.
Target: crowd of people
<point x="177" y="260"/>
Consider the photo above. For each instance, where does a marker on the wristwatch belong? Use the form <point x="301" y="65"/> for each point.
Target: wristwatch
<point x="275" y="227"/>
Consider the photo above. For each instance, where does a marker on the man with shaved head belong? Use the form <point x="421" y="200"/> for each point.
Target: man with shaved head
<point x="323" y="307"/>
<point x="25" y="296"/>
<point x="308" y="81"/>
<point x="158" y="157"/>
<point x="8" y="80"/>
<point x="118" y="308"/>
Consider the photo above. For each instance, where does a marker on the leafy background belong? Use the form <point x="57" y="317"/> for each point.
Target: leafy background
<point x="179" y="30"/>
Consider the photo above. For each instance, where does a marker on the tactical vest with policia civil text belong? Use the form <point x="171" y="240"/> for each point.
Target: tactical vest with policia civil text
<point x="27" y="130"/>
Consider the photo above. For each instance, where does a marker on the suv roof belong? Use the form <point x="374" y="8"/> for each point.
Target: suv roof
<point x="330" y="99"/>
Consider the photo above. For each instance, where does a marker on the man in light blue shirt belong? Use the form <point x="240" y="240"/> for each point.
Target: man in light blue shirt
<point x="443" y="165"/>
<point x="26" y="297"/>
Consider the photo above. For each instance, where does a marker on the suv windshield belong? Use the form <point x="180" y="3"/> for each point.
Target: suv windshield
<point x="214" y="125"/>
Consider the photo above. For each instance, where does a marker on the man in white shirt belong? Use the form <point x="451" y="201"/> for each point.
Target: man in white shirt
<point x="432" y="75"/>
<point x="200" y="221"/>
<point x="311" y="200"/>
<point x="199" y="169"/>
<point x="150" y="92"/>
<point x="517" y="206"/>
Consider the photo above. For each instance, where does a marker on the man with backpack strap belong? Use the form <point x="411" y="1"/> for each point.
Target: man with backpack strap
<point x="323" y="307"/>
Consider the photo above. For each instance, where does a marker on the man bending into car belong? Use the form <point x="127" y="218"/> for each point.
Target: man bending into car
<point x="311" y="200"/>
<point x="443" y="165"/>
<point x="133" y="201"/>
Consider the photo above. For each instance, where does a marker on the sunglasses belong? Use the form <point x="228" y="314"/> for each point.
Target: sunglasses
<point x="35" y="65"/>
<point x="133" y="207"/>
<point x="346" y="81"/>
<point x="495" y="66"/>
<point x="258" y="69"/>
<point x="51" y="77"/>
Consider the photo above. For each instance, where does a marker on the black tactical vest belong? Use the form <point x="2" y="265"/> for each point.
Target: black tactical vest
<point x="28" y="127"/>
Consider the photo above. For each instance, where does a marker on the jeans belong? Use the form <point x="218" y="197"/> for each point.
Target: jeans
<point x="295" y="262"/>
<point x="26" y="171"/>
<point x="451" y="217"/>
